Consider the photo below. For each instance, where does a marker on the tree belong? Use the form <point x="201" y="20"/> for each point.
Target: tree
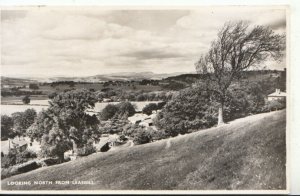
<point x="236" y="49"/>
<point x="26" y="99"/>
<point x="192" y="109"/>
<point x="23" y="120"/>
<point x="142" y="136"/>
<point x="160" y="105"/>
<point x="65" y="124"/>
<point x="33" y="86"/>
<point x="108" y="112"/>
<point x="149" y="108"/>
<point x="6" y="127"/>
<point x="125" y="108"/>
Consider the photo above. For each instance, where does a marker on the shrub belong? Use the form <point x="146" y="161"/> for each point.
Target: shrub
<point x="160" y="105"/>
<point x="109" y="111"/>
<point x="156" y="134"/>
<point x="25" y="156"/>
<point x="141" y="97"/>
<point x="26" y="99"/>
<point x="142" y="136"/>
<point x="191" y="109"/>
<point x="33" y="86"/>
<point x="130" y="129"/>
<point x="48" y="161"/>
<point x="28" y="167"/>
<point x="87" y="150"/>
<point x="123" y="138"/>
<point x="149" y="108"/>
<point x="125" y="108"/>
<point x="7" y="124"/>
<point x="8" y="160"/>
<point x="274" y="105"/>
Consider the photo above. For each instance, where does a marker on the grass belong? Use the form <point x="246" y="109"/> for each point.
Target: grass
<point x="248" y="153"/>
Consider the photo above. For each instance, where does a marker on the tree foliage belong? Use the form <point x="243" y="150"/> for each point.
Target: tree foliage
<point x="108" y="112"/>
<point x="120" y="110"/>
<point x="23" y="120"/>
<point x="65" y="124"/>
<point x="26" y="99"/>
<point x="149" y="108"/>
<point x="7" y="124"/>
<point x="193" y="108"/>
<point x="237" y="48"/>
<point x="196" y="108"/>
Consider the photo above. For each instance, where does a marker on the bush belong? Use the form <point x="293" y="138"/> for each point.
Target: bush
<point x="28" y="167"/>
<point x="48" y="161"/>
<point x="191" y="109"/>
<point x="119" y="111"/>
<point x="7" y="124"/>
<point x="108" y="112"/>
<point x="160" y="105"/>
<point x="123" y="138"/>
<point x="142" y="136"/>
<point x="25" y="156"/>
<point x="26" y="99"/>
<point x="8" y="160"/>
<point x="125" y="108"/>
<point x="149" y="108"/>
<point x="156" y="134"/>
<point x="33" y="86"/>
<point x="274" y="105"/>
<point x="17" y="158"/>
<point x="87" y="150"/>
<point x="130" y="129"/>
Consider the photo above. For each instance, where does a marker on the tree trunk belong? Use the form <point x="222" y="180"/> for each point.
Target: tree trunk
<point x="220" y="117"/>
<point x="61" y="157"/>
<point x="74" y="147"/>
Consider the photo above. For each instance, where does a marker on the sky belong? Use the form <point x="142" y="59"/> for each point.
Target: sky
<point x="87" y="41"/>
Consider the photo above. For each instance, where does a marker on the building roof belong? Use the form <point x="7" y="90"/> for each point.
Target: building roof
<point x="277" y="94"/>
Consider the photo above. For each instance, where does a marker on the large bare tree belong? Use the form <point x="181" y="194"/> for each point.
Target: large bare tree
<point x="238" y="47"/>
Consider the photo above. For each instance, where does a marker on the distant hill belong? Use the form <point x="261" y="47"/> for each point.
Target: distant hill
<point x="245" y="154"/>
<point x="121" y="76"/>
<point x="16" y="81"/>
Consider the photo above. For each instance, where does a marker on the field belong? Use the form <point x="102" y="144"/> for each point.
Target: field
<point x="38" y="105"/>
<point x="248" y="153"/>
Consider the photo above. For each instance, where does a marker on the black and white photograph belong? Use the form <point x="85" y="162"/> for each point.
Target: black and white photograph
<point x="144" y="98"/>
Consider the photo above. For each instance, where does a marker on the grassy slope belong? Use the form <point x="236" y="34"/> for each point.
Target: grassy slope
<point x="247" y="153"/>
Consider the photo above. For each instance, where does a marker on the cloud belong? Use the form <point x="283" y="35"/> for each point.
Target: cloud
<point x="90" y="41"/>
<point x="153" y="54"/>
<point x="278" y="25"/>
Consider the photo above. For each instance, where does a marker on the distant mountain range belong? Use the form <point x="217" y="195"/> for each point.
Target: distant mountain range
<point x="121" y="76"/>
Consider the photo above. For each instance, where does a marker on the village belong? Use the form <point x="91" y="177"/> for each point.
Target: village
<point x="107" y="142"/>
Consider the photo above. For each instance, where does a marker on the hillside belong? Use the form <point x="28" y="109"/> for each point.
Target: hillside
<point x="247" y="153"/>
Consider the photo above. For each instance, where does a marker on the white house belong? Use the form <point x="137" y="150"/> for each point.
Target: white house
<point x="20" y="144"/>
<point x="277" y="95"/>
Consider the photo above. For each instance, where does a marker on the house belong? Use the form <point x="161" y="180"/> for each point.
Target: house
<point x="277" y="95"/>
<point x="146" y="123"/>
<point x="106" y="142"/>
<point x="13" y="145"/>
<point x="20" y="144"/>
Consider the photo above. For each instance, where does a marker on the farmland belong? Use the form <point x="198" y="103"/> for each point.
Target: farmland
<point x="38" y="105"/>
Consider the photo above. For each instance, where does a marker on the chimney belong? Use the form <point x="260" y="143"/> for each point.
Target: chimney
<point x="277" y="91"/>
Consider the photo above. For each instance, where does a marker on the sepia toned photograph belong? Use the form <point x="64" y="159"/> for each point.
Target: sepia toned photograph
<point x="144" y="98"/>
